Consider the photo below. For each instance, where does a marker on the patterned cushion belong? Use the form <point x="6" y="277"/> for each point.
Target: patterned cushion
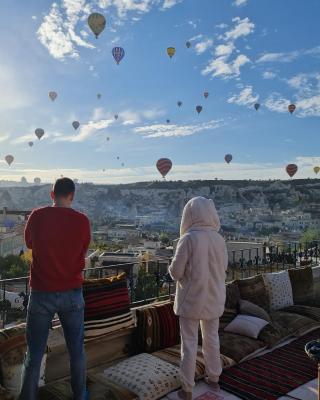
<point x="302" y="284"/>
<point x="253" y="289"/>
<point x="107" y="306"/>
<point x="145" y="375"/>
<point x="157" y="327"/>
<point x="279" y="290"/>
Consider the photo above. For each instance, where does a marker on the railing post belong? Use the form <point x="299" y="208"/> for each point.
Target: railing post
<point x="257" y="260"/>
<point x="4" y="304"/>
<point x="158" y="278"/>
<point x="241" y="264"/>
<point x="295" y="255"/>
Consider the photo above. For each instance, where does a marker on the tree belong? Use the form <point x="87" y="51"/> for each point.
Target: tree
<point x="309" y="236"/>
<point x="164" y="239"/>
<point x="13" y="266"/>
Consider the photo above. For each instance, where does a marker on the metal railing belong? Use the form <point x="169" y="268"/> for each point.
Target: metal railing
<point x="149" y="281"/>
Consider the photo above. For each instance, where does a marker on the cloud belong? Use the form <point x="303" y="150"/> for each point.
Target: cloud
<point x="172" y="130"/>
<point x="278" y="57"/>
<point x="222" y="26"/>
<point x="86" y="131"/>
<point x="245" y="97"/>
<point x="170" y="3"/>
<point x="268" y="75"/>
<point x="306" y="85"/>
<point x="243" y="27"/>
<point x="239" y="3"/>
<point x="201" y="47"/>
<point x="224" y="49"/>
<point x="309" y="107"/>
<point x="276" y="102"/>
<point x="220" y="67"/>
<point x="4" y="137"/>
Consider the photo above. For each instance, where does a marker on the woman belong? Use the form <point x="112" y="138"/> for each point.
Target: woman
<point x="199" y="267"/>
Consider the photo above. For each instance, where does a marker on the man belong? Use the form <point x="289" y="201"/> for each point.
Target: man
<point x="59" y="238"/>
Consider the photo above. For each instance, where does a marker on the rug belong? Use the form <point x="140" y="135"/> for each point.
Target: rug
<point x="274" y="374"/>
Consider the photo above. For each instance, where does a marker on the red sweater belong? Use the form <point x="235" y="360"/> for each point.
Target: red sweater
<point x="59" y="238"/>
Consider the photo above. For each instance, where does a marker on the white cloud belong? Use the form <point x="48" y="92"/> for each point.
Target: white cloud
<point x="86" y="131"/>
<point x="243" y="27"/>
<point x="201" y="47"/>
<point x="276" y="102"/>
<point x="309" y="107"/>
<point x="278" y="57"/>
<point x="268" y="75"/>
<point x="4" y="137"/>
<point x="245" y="97"/>
<point x="171" y="130"/>
<point x="224" y="49"/>
<point x="239" y="3"/>
<point x="170" y="3"/>
<point x="222" y="26"/>
<point x="34" y="17"/>
<point x="221" y="67"/>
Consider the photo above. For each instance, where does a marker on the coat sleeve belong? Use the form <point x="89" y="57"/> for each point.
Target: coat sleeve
<point x="28" y="232"/>
<point x="180" y="260"/>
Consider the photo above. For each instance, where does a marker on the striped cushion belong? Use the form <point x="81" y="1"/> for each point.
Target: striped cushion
<point x="107" y="306"/>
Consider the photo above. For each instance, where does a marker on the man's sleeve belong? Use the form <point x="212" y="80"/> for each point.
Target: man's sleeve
<point x="28" y="232"/>
<point x="87" y="235"/>
<point x="179" y="262"/>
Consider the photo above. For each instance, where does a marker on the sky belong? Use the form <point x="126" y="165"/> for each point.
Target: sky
<point x="242" y="52"/>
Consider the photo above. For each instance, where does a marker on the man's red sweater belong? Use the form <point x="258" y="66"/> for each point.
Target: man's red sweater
<point x="59" y="238"/>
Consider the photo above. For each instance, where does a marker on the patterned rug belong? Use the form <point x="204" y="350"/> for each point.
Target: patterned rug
<point x="274" y="374"/>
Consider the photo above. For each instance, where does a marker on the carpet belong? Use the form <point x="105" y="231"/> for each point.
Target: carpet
<point x="273" y="374"/>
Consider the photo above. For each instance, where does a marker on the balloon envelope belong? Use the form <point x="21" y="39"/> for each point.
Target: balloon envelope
<point x="37" y="181"/>
<point x="291" y="169"/>
<point x="30" y="144"/>
<point x="53" y="95"/>
<point x="257" y="106"/>
<point x="118" y="54"/>
<point x="199" y="109"/>
<point x="316" y="170"/>
<point x="188" y="44"/>
<point x="108" y="139"/>
<point x="99" y="96"/>
<point x="39" y="133"/>
<point x="168" y="121"/>
<point x="164" y="165"/>
<point x="116" y="116"/>
<point x="179" y="103"/>
<point x="171" y="51"/>
<point x="9" y="159"/>
<point x="76" y="124"/>
<point x="206" y="94"/>
<point x="228" y="158"/>
<point x="291" y="108"/>
<point x="97" y="23"/>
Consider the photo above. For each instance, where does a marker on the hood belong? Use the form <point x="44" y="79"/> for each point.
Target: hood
<point x="199" y="212"/>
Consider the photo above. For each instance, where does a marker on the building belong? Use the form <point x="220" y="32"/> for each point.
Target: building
<point x="12" y="225"/>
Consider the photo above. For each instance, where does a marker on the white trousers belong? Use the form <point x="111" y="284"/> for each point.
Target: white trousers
<point x="189" y="346"/>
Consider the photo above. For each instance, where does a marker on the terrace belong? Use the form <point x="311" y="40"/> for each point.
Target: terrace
<point x="150" y="290"/>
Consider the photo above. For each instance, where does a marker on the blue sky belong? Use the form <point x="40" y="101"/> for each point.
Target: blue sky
<point x="243" y="52"/>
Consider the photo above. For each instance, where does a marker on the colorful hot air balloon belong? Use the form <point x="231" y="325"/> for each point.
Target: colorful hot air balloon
<point x="291" y="108"/>
<point x="188" y="44"/>
<point x="118" y="54"/>
<point x="53" y="95"/>
<point x="37" y="181"/>
<point x="99" y="96"/>
<point x="228" y="158"/>
<point x="9" y="159"/>
<point x="30" y="144"/>
<point x="171" y="51"/>
<point x="76" y="124"/>
<point x="316" y="170"/>
<point x="168" y="121"/>
<point x="257" y="106"/>
<point x="199" y="109"/>
<point x="164" y="165"/>
<point x="179" y="103"/>
<point x="206" y="94"/>
<point x="116" y="116"/>
<point x="97" y="23"/>
<point x="291" y="169"/>
<point x="39" y="133"/>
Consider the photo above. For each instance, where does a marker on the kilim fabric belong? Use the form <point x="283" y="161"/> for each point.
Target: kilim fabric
<point x="272" y="375"/>
<point x="107" y="306"/>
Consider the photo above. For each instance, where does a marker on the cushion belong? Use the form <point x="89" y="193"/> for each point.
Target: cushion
<point x="232" y="295"/>
<point x="253" y="289"/>
<point x="279" y="290"/>
<point x="246" y="325"/>
<point x="302" y="284"/>
<point x="147" y="376"/>
<point x="228" y="315"/>
<point x="291" y="324"/>
<point x="107" y="306"/>
<point x="306" y="311"/>
<point x="248" y="308"/>
<point x="270" y="335"/>
<point x="239" y="347"/>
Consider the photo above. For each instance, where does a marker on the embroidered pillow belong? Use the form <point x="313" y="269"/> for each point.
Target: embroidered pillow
<point x="279" y="290"/>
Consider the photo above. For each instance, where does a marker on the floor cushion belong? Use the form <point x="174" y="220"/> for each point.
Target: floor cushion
<point x="302" y="284"/>
<point x="238" y="347"/>
<point x="107" y="306"/>
<point x="232" y="295"/>
<point x="279" y="290"/>
<point x="270" y="335"/>
<point x="291" y="324"/>
<point x="228" y="315"/>
<point x="147" y="376"/>
<point x="246" y="325"/>
<point x="253" y="289"/>
<point x="306" y="311"/>
<point x="248" y="308"/>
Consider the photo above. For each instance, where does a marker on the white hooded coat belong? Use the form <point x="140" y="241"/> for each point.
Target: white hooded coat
<point x="200" y="263"/>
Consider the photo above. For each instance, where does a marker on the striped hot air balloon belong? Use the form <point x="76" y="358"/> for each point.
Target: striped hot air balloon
<point x="171" y="51"/>
<point x="291" y="108"/>
<point x="118" y="54"/>
<point x="164" y="165"/>
<point x="291" y="169"/>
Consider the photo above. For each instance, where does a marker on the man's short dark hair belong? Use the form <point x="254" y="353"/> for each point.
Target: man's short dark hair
<point x="63" y="187"/>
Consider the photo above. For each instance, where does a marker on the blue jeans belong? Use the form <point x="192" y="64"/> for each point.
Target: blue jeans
<point x="42" y="307"/>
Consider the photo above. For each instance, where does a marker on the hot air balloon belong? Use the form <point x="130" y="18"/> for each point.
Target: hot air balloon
<point x="316" y="170"/>
<point x="206" y="94"/>
<point x="118" y="158"/>
<point x="291" y="169"/>
<point x="76" y="124"/>
<point x="30" y="144"/>
<point x="108" y="139"/>
<point x="171" y="51"/>
<point x="116" y="116"/>
<point x="97" y="23"/>
<point x="228" y="158"/>
<point x="9" y="159"/>
<point x="53" y="95"/>
<point x="164" y="165"/>
<point x="37" y="181"/>
<point x="118" y="54"/>
<point x="257" y="106"/>
<point x="199" y="109"/>
<point x="99" y="96"/>
<point x="291" y="108"/>
<point x="122" y="164"/>
<point x="188" y="44"/>
<point x="23" y="180"/>
<point x="179" y="103"/>
<point x="39" y="133"/>
<point x="104" y="170"/>
<point x="168" y="121"/>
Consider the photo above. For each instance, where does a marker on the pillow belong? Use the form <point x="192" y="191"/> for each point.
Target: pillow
<point x="253" y="289"/>
<point x="302" y="284"/>
<point x="279" y="289"/>
<point x="107" y="306"/>
<point x="147" y="376"/>
<point x="248" y="308"/>
<point x="246" y="325"/>
<point x="232" y="295"/>
<point x="228" y="315"/>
